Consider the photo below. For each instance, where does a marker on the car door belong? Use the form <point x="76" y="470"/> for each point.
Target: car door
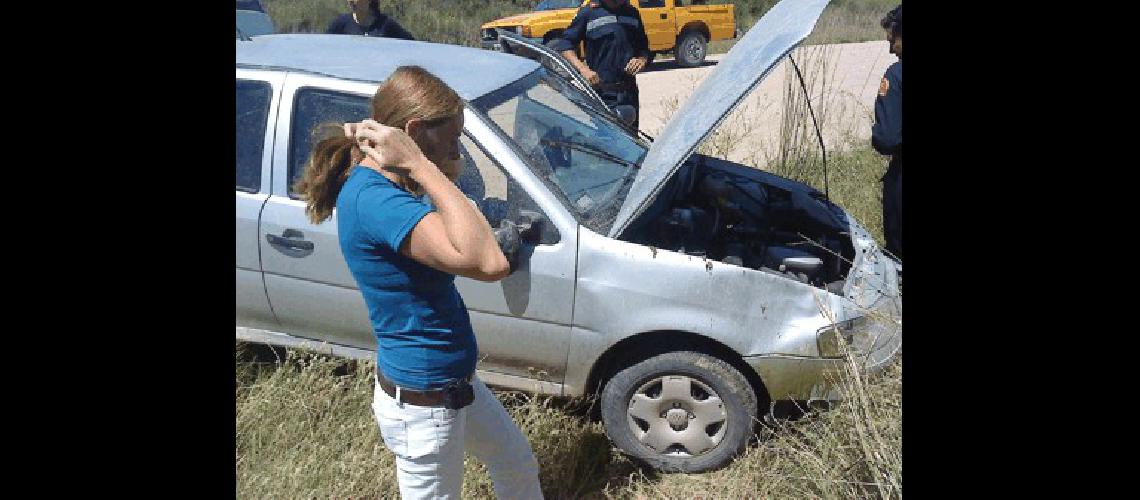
<point x="522" y="323"/>
<point x="660" y="26"/>
<point x="310" y="288"/>
<point x="258" y="94"/>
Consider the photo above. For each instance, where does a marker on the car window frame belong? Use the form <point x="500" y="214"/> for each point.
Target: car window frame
<point x="289" y="160"/>
<point x="550" y="234"/>
<point x="495" y="98"/>
<point x="267" y="87"/>
<point x="295" y="82"/>
<point x="276" y="80"/>
<point x="477" y="126"/>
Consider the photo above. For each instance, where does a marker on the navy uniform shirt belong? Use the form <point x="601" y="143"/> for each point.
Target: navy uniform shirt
<point x="612" y="39"/>
<point x="382" y="26"/>
<point x="886" y="134"/>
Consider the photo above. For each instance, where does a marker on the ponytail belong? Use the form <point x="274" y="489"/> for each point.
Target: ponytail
<point x="326" y="171"/>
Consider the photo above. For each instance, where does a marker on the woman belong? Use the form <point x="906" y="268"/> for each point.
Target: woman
<point x="366" y="19"/>
<point x="404" y="255"/>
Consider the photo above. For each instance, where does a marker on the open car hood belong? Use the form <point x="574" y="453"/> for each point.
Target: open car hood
<point x="752" y="58"/>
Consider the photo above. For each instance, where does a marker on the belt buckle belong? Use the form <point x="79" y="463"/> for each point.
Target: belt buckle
<point x="457" y="394"/>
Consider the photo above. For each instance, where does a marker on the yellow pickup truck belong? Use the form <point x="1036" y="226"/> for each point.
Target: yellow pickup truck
<point x="683" y="27"/>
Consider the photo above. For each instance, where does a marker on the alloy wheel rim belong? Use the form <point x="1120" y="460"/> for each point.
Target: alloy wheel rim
<point x="695" y="49"/>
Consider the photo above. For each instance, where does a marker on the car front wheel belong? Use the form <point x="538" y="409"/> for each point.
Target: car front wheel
<point x="681" y="411"/>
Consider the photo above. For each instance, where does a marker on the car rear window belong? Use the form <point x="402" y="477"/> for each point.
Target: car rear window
<point x="314" y="107"/>
<point x="252" y="114"/>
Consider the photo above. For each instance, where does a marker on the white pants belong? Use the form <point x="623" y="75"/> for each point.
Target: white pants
<point x="429" y="444"/>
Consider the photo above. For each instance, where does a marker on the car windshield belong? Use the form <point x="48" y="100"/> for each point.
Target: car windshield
<point x="557" y="4"/>
<point x="569" y="142"/>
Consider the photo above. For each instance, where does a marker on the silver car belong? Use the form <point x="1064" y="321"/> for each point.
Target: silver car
<point x="689" y="292"/>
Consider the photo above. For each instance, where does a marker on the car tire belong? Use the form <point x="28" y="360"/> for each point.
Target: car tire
<point x="649" y="60"/>
<point x="691" y="49"/>
<point x="681" y="411"/>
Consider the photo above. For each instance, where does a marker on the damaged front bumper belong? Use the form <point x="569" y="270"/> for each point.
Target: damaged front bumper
<point x="873" y="342"/>
<point x="868" y="328"/>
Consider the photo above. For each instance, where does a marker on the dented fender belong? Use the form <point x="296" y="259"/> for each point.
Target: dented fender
<point x="624" y="289"/>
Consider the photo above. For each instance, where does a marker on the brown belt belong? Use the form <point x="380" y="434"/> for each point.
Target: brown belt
<point x="418" y="398"/>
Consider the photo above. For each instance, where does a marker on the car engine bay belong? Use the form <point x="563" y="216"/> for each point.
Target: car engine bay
<point x="723" y="211"/>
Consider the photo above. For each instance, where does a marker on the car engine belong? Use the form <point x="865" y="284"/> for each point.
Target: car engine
<point x="724" y="216"/>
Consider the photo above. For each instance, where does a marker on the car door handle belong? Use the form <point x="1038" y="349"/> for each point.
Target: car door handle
<point x="291" y="238"/>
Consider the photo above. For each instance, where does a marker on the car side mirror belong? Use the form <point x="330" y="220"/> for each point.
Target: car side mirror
<point x="529" y="224"/>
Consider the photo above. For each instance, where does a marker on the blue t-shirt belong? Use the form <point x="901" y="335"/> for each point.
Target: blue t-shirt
<point x="420" y="321"/>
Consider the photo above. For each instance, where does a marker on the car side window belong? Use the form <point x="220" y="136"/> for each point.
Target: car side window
<point x="252" y="114"/>
<point x="496" y="194"/>
<point x="312" y="108"/>
<point x="649" y="4"/>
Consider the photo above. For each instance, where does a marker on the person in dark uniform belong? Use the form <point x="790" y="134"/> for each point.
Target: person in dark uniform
<point x="616" y="50"/>
<point x="886" y="134"/>
<point x="366" y="19"/>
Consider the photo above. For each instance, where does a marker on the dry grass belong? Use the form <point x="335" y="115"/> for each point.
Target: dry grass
<point x="305" y="429"/>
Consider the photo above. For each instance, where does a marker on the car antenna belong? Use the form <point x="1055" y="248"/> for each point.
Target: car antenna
<point x="818" y="134"/>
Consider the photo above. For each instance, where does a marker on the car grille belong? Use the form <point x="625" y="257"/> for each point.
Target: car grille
<point x="490" y="34"/>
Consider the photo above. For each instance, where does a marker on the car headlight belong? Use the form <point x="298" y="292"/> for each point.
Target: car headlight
<point x="827" y="337"/>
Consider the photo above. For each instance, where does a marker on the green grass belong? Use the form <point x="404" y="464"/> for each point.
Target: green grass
<point x="457" y="21"/>
<point x="305" y="429"/>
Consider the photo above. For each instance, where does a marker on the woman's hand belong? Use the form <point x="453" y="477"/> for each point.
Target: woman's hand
<point x="390" y="148"/>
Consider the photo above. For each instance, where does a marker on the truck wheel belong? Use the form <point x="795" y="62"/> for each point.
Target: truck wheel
<point x="681" y="411"/>
<point x="691" y="48"/>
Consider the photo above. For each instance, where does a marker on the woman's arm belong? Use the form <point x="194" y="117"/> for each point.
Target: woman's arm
<point x="455" y="238"/>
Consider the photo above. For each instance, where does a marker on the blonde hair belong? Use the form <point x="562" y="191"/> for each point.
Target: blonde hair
<point x="410" y="93"/>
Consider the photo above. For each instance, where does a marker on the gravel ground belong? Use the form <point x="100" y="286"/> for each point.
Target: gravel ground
<point x="852" y="72"/>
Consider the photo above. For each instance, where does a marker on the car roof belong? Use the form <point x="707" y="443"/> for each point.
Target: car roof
<point x="471" y="72"/>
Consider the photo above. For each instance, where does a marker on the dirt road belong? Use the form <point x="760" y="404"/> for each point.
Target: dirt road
<point x="848" y="74"/>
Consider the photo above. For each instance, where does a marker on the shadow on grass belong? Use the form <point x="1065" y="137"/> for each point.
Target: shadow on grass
<point x="576" y="457"/>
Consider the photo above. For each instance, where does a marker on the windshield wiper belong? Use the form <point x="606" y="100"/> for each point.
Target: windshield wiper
<point x="625" y="180"/>
<point x="586" y="148"/>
